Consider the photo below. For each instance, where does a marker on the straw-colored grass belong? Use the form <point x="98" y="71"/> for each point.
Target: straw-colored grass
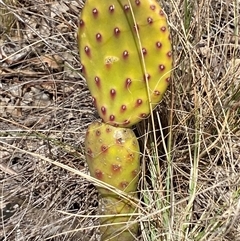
<point x="190" y="183"/>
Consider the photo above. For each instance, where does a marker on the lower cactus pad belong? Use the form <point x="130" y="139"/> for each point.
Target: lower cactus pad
<point x="113" y="156"/>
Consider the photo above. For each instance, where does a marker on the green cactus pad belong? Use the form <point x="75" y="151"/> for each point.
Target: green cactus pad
<point x="113" y="156"/>
<point x="112" y="57"/>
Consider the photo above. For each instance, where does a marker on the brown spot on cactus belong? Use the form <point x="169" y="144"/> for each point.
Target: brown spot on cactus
<point x="137" y="2"/>
<point x="112" y="93"/>
<point x="146" y="77"/>
<point x="156" y="92"/>
<point x="98" y="174"/>
<point x="111" y="117"/>
<point x="111" y="8"/>
<point x="103" y="110"/>
<point x="116" y="167"/>
<point x="124" y="131"/>
<point x="116" y="32"/>
<point x="94" y="101"/>
<point x="108" y="129"/>
<point x="135" y="172"/>
<point x="163" y="29"/>
<point x="104" y="148"/>
<point x="89" y="152"/>
<point x="130" y="157"/>
<point x="81" y="23"/>
<point x="168" y="80"/>
<point x="98" y="37"/>
<point x="169" y="54"/>
<point x="152" y="7"/>
<point x="95" y="12"/>
<point x="125" y="54"/>
<point x="87" y="50"/>
<point x="119" y="141"/>
<point x="161" y="67"/>
<point x="126" y="7"/>
<point x="98" y="132"/>
<point x="97" y="81"/>
<point x="126" y="122"/>
<point x="128" y="82"/>
<point x="144" y="51"/>
<point x="149" y="20"/>
<point x="123" y="108"/>
<point x="161" y="13"/>
<point x="124" y="185"/>
<point x="143" y="115"/>
<point x="83" y="69"/>
<point x="158" y="44"/>
<point x="138" y="102"/>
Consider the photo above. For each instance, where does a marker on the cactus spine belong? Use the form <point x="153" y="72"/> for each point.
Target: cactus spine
<point x="125" y="52"/>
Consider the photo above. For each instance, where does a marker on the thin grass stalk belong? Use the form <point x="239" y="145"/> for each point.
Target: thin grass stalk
<point x="188" y="5"/>
<point x="170" y="189"/>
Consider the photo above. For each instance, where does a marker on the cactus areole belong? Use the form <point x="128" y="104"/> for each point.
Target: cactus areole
<point x="125" y="52"/>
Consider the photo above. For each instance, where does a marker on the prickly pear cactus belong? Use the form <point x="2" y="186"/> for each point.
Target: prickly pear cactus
<point x="113" y="156"/>
<point x="125" y="51"/>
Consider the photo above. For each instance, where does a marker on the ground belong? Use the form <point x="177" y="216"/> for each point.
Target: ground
<point x="191" y="191"/>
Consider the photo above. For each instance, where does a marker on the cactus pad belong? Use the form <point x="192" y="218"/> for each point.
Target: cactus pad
<point x="113" y="157"/>
<point x="114" y="61"/>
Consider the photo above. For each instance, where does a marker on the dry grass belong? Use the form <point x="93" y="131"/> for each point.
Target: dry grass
<point x="190" y="184"/>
